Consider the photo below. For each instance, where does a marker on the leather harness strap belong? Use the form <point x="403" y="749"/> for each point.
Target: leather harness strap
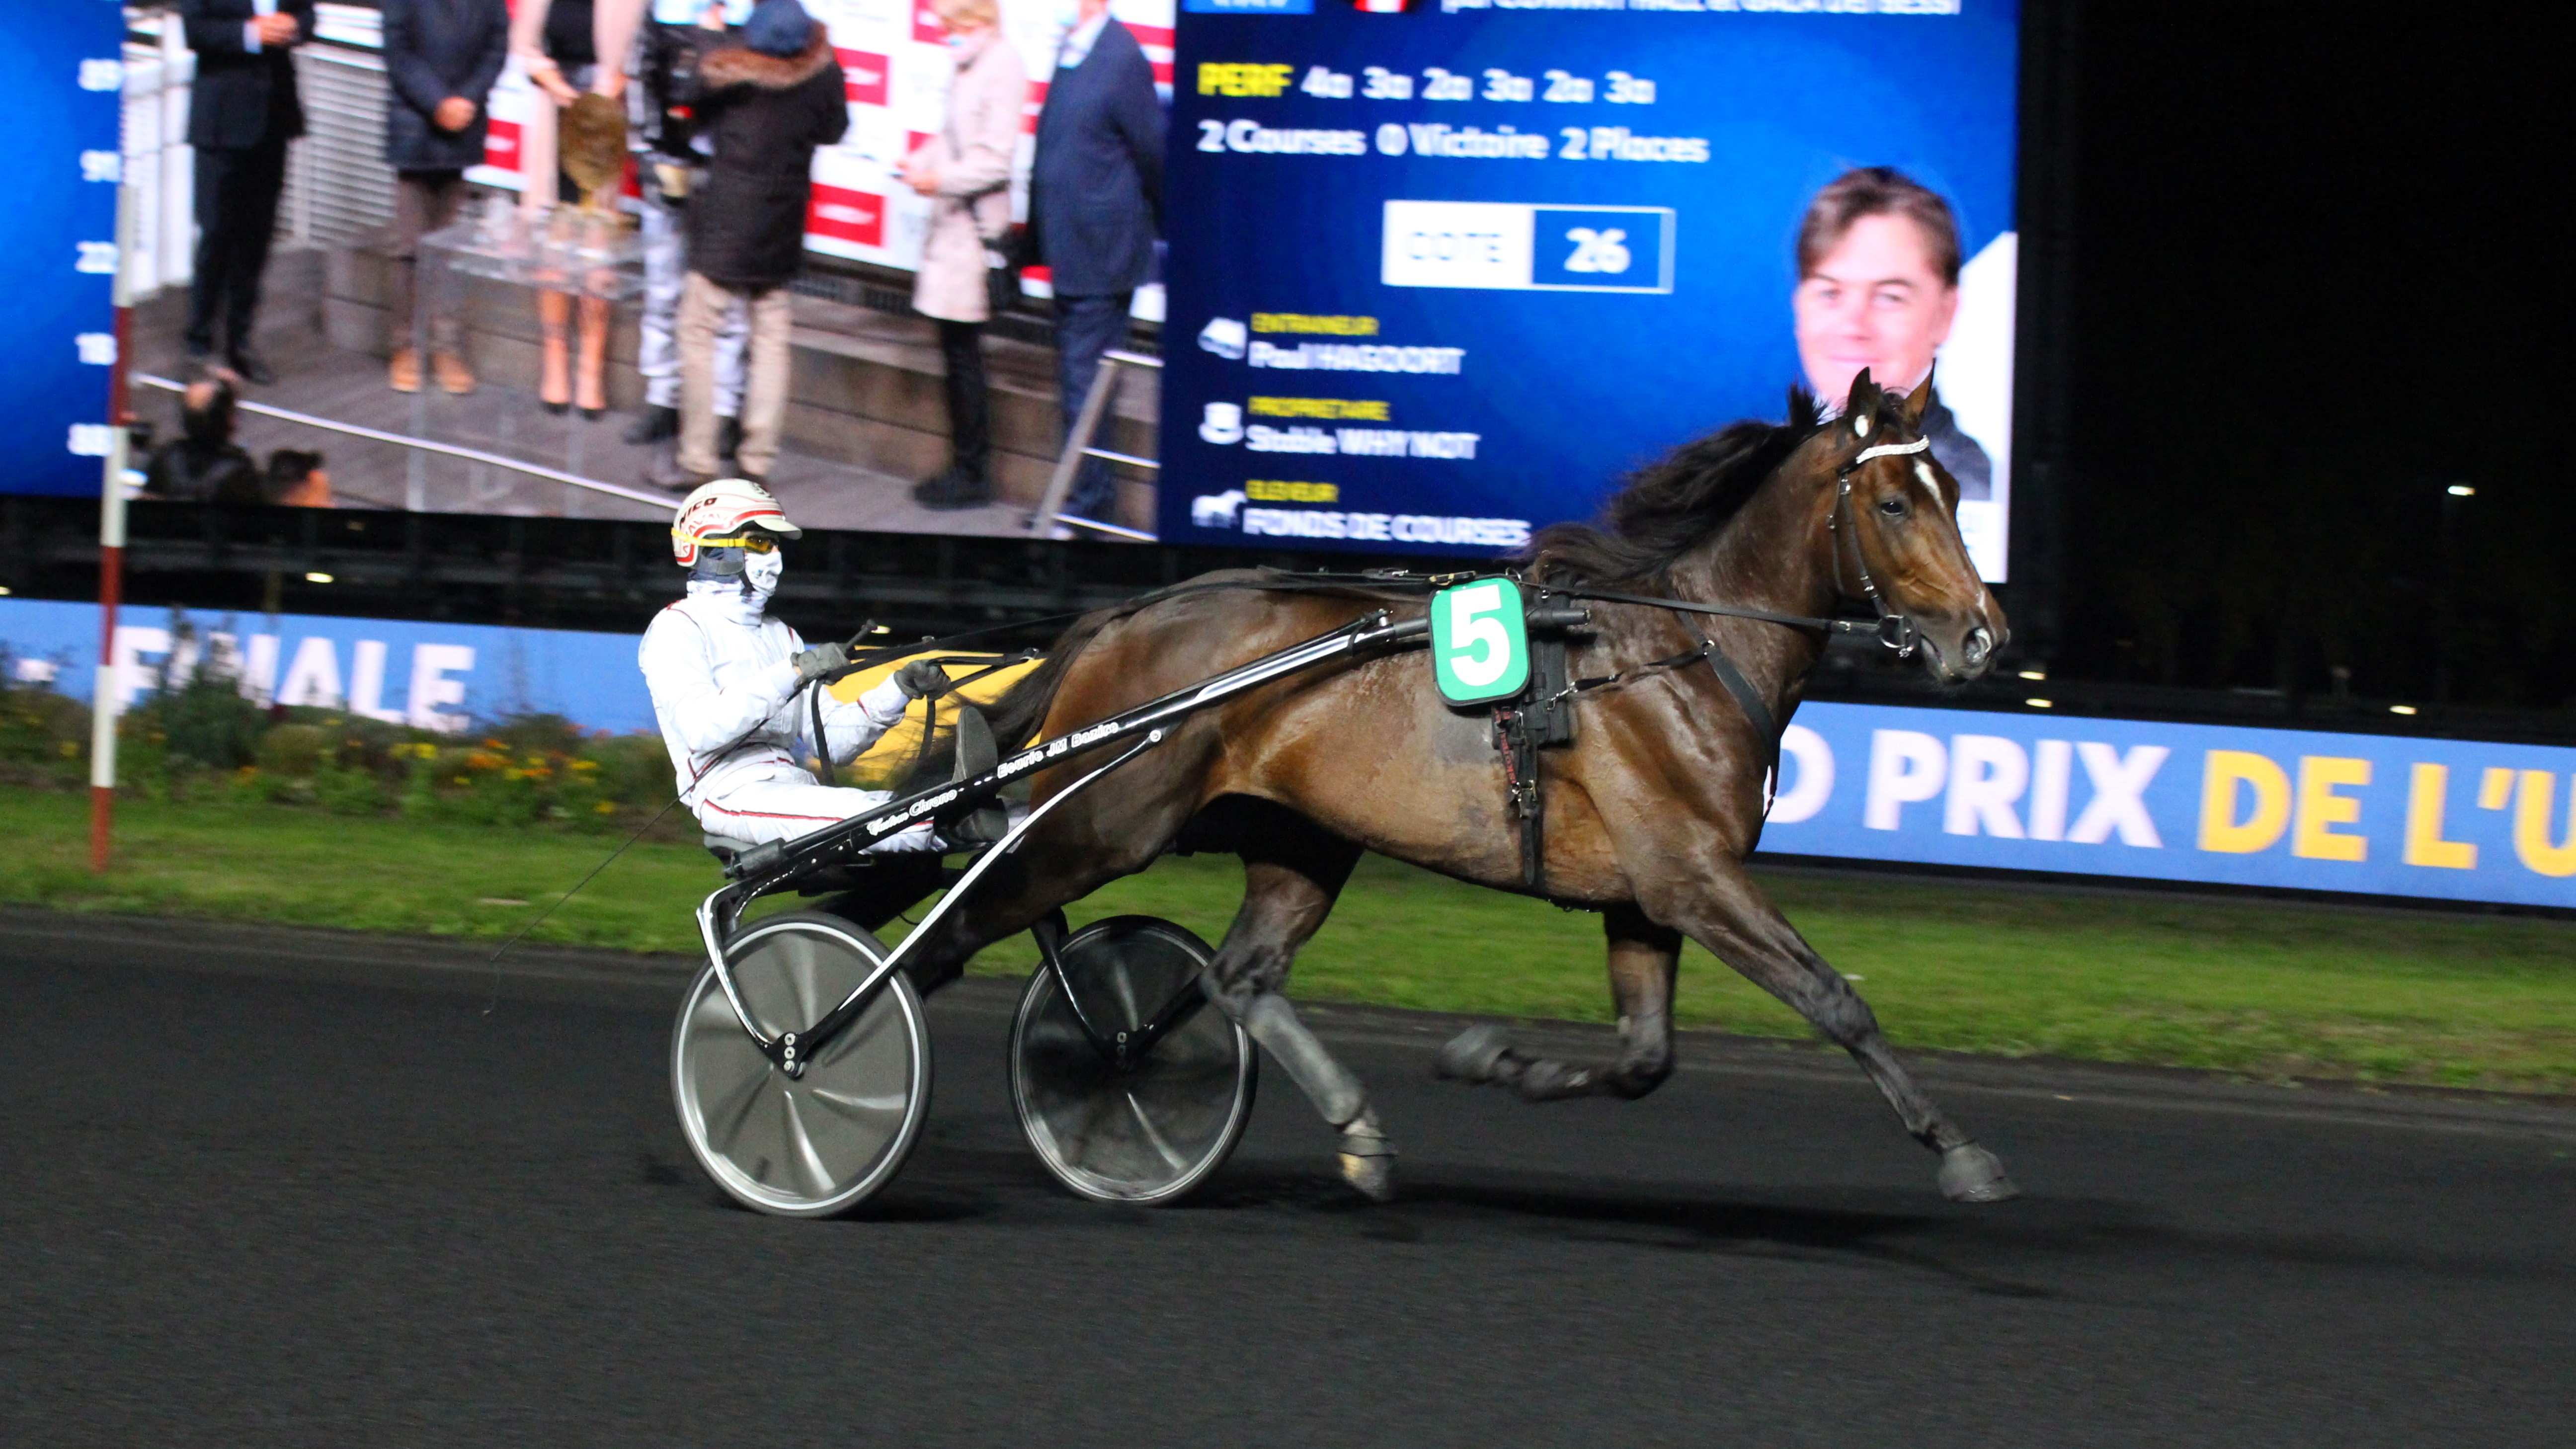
<point x="1766" y="726"/>
<point x="1513" y="742"/>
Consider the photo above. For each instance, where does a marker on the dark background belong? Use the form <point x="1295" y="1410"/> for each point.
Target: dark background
<point x="2312" y="274"/>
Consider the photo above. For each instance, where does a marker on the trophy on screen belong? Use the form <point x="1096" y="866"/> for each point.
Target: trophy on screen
<point x="593" y="154"/>
<point x="594" y="151"/>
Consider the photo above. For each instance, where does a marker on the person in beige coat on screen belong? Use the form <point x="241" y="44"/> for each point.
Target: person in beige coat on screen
<point x="966" y="171"/>
<point x="567" y="47"/>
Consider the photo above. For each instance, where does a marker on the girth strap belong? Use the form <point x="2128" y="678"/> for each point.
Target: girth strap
<point x="1749" y="699"/>
<point x="1516" y="743"/>
<point x="1515" y="740"/>
<point x="1766" y="727"/>
<point x="1757" y="710"/>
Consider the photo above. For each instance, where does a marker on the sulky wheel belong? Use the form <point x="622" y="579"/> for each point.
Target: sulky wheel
<point x="820" y="1144"/>
<point x="1149" y="1127"/>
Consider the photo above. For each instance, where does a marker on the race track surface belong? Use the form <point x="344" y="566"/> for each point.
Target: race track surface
<point x="282" y="1188"/>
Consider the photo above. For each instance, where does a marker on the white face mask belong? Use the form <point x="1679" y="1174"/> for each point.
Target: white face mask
<point x="761" y="571"/>
<point x="1068" y="14"/>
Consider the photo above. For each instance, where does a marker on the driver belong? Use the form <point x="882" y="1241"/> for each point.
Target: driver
<point x="728" y="681"/>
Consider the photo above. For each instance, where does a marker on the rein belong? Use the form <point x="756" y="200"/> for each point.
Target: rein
<point x="1893" y="629"/>
<point x="1897" y="639"/>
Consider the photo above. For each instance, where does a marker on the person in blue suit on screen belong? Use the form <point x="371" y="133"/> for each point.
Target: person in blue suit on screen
<point x="1095" y="206"/>
<point x="242" y="110"/>
<point x="1878" y="286"/>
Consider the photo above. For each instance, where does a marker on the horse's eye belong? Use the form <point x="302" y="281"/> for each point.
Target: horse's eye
<point x="1892" y="507"/>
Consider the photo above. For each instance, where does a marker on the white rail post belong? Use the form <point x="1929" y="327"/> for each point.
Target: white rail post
<point x="104" y="701"/>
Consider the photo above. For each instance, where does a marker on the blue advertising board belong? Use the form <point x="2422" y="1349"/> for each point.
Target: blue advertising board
<point x="445" y="677"/>
<point x="1441" y="277"/>
<point x="2226" y="805"/>
<point x="2454" y="820"/>
<point x="61" y="71"/>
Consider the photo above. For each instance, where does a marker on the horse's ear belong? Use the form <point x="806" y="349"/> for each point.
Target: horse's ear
<point x="1861" y="404"/>
<point x="1803" y="413"/>
<point x="1920" y="400"/>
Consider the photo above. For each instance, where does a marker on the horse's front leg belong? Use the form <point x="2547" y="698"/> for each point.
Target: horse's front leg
<point x="1732" y="917"/>
<point x="1642" y="960"/>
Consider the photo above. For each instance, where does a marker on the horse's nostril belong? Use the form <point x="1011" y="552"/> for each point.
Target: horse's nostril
<point x="1980" y="642"/>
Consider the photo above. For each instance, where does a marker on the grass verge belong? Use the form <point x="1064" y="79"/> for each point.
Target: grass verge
<point x="2265" y="989"/>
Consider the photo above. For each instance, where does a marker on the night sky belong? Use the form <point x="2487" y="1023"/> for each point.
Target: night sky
<point x="2313" y="276"/>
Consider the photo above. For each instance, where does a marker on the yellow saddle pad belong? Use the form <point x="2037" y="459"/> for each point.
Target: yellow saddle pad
<point x="883" y="764"/>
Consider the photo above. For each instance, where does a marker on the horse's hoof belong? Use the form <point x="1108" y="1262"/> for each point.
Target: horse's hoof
<point x="1368" y="1160"/>
<point x="1549" y="1080"/>
<point x="1373" y="1177"/>
<point x="1970" y="1173"/>
<point x="1471" y="1055"/>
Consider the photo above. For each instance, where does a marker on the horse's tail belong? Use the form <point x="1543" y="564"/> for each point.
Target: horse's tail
<point x="1017" y="715"/>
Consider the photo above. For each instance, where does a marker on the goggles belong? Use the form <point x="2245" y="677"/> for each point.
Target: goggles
<point x="751" y="542"/>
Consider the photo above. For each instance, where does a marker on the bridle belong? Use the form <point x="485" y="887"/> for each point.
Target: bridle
<point x="1895" y="629"/>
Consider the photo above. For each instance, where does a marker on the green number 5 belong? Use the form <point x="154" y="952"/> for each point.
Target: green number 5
<point x="1479" y="641"/>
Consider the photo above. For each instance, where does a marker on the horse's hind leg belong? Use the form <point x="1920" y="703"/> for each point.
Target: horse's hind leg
<point x="1290" y="881"/>
<point x="1740" y="926"/>
<point x="1642" y="958"/>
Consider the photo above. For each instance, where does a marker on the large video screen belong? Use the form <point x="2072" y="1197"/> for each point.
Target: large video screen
<point x="1447" y="273"/>
<point x="1435" y="273"/>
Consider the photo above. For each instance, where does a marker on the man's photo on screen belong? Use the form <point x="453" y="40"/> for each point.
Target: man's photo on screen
<point x="1878" y="287"/>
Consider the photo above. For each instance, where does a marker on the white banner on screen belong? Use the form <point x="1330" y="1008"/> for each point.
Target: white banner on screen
<point x="1975" y="376"/>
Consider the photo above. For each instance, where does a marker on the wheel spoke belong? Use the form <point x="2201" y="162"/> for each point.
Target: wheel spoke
<point x="1189" y="1077"/>
<point x="714" y="1011"/>
<point x="1178" y="1162"/>
<point x="851" y="1102"/>
<point x="1090" y="1114"/>
<point x="803" y="1144"/>
<point x="862" y="1032"/>
<point x="763" y="1140"/>
<point x="796" y="955"/>
<point x="1126" y="988"/>
<point x="732" y="1110"/>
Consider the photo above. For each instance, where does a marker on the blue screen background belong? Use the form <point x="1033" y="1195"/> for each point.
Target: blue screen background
<point x="1569" y="390"/>
<point x="45" y="303"/>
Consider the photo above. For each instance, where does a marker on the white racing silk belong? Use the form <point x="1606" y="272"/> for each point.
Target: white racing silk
<point x="721" y="671"/>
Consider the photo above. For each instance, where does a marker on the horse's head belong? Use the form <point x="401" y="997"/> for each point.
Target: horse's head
<point x="1891" y="533"/>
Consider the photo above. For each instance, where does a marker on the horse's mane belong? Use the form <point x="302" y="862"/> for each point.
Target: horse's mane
<point x="1671" y="505"/>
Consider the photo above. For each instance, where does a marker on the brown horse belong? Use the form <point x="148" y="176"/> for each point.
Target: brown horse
<point x="1650" y="813"/>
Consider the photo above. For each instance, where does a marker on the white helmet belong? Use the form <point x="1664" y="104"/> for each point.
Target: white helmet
<point x="723" y="514"/>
